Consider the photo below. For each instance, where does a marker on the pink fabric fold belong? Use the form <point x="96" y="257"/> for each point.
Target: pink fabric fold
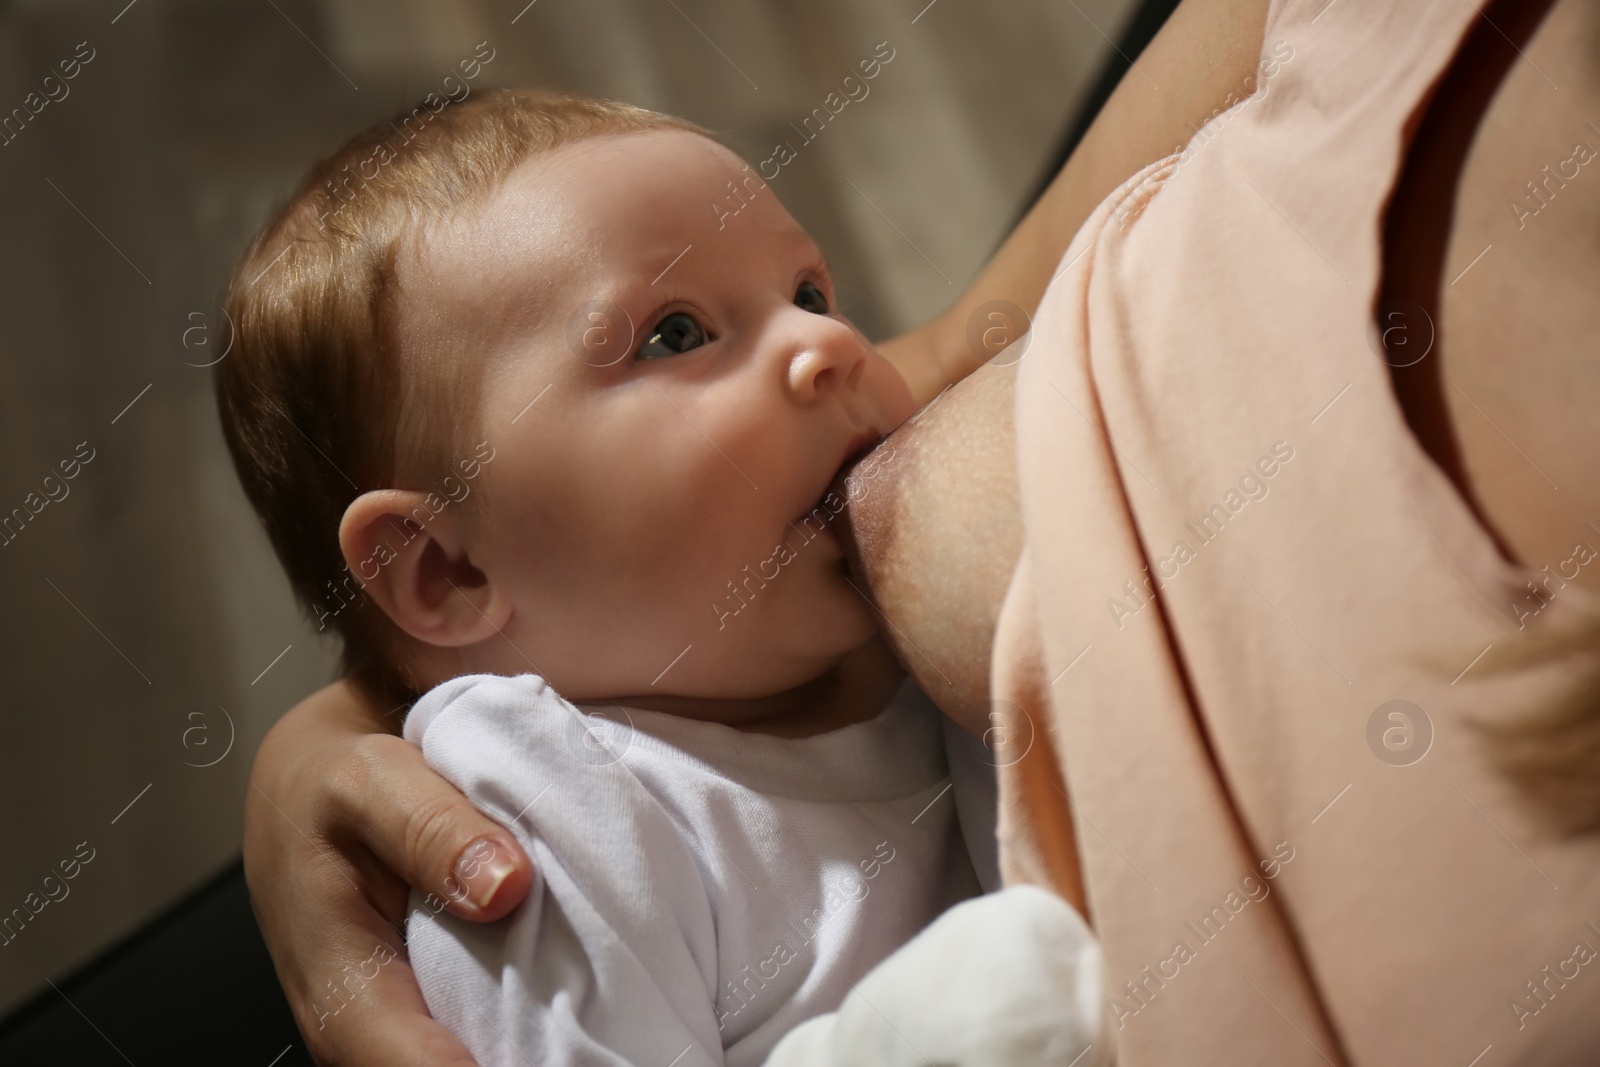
<point x="1256" y="609"/>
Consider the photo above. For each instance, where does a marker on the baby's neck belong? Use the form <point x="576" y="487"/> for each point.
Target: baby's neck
<point x="854" y="691"/>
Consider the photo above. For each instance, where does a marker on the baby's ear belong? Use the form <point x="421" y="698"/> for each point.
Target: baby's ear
<point x="413" y="561"/>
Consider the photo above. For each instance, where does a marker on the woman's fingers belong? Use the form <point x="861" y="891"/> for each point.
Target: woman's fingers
<point x="333" y="799"/>
<point x="378" y="1021"/>
<point x="421" y="827"/>
<point x="344" y="970"/>
<point x="409" y="1040"/>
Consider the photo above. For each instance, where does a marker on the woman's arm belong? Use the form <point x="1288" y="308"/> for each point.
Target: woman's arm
<point x="1206" y="50"/>
<point x="340" y="816"/>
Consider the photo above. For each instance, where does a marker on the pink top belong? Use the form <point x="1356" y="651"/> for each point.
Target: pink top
<point x="1237" y="557"/>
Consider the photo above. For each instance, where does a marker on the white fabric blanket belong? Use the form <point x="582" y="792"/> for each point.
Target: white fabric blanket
<point x="1011" y="979"/>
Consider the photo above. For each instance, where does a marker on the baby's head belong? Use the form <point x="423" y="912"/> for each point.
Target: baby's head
<point x="562" y="386"/>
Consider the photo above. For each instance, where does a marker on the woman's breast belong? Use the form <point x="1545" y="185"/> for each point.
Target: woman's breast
<point x="933" y="530"/>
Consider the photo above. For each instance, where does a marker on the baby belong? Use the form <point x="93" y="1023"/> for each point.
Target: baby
<point x="572" y="424"/>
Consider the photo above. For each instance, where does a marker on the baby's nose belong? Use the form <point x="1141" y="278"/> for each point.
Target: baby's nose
<point x="823" y="359"/>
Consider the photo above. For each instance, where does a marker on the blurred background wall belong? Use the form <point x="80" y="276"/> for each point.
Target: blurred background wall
<point x="147" y="638"/>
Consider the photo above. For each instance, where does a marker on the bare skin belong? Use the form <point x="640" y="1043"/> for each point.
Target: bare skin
<point x="334" y="768"/>
<point x="937" y="540"/>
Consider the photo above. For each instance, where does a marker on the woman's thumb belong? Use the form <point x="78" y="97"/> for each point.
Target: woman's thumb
<point x="428" y="833"/>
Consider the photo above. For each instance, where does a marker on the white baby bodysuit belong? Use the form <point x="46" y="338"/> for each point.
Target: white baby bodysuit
<point x="699" y="891"/>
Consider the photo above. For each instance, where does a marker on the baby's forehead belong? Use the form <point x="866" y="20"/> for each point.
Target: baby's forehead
<point x="571" y="225"/>
<point x="469" y="280"/>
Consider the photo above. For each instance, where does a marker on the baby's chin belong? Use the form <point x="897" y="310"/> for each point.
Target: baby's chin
<point x="832" y="619"/>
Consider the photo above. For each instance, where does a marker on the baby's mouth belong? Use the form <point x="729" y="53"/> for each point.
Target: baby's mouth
<point x="864" y="447"/>
<point x="850" y="461"/>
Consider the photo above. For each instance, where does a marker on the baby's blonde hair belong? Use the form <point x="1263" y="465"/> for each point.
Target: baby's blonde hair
<point x="315" y="404"/>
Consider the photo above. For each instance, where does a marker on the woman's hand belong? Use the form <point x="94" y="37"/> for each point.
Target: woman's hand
<point x="340" y="817"/>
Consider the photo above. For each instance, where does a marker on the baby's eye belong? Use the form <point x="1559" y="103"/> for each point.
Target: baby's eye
<point x="810" y="298"/>
<point x="675" y="334"/>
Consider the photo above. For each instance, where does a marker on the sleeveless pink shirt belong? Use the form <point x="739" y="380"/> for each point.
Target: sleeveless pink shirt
<point x="1261" y="608"/>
